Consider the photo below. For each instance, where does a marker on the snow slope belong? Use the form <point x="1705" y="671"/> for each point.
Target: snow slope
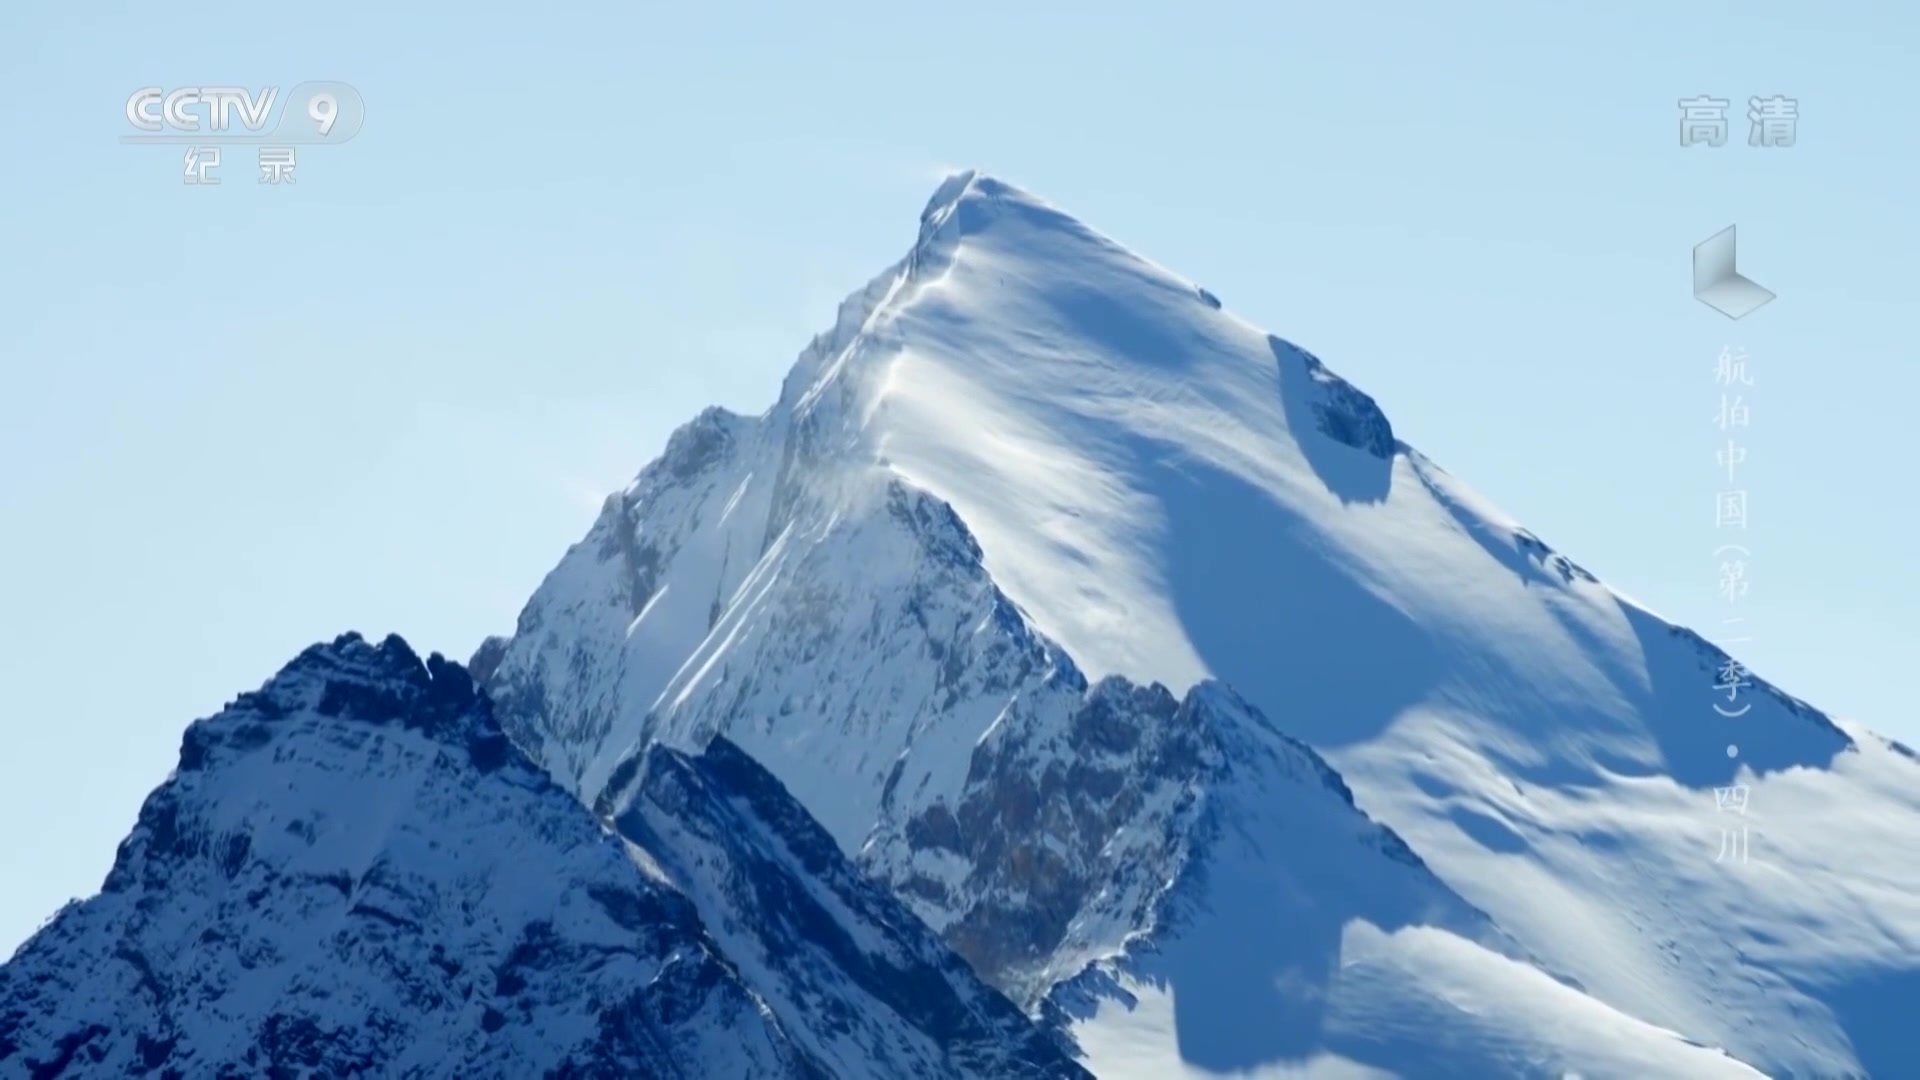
<point x="1228" y="910"/>
<point x="353" y="873"/>
<point x="1024" y="460"/>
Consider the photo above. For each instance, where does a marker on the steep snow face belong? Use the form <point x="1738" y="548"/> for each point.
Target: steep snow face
<point x="787" y="905"/>
<point x="1297" y="937"/>
<point x="352" y="873"/>
<point x="1025" y="459"/>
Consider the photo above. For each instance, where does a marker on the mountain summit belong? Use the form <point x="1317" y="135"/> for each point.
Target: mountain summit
<point x="1129" y="644"/>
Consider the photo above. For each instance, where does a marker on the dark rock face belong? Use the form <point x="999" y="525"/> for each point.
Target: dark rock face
<point x="486" y="659"/>
<point x="1037" y="825"/>
<point x="1347" y="414"/>
<point x="1078" y="827"/>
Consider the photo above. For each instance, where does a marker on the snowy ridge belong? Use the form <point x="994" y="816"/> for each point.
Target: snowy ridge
<point x="354" y="873"/>
<point x="1026" y="460"/>
<point x="786" y="903"/>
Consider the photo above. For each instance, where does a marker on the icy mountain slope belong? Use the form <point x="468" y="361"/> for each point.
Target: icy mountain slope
<point x="1215" y="904"/>
<point x="353" y="872"/>
<point x="1297" y="931"/>
<point x="1024" y="454"/>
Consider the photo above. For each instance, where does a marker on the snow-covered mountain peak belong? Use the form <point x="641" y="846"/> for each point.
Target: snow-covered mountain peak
<point x="695" y="446"/>
<point x="1063" y="394"/>
<point x="968" y="203"/>
<point x="353" y="873"/>
<point x="1024" y="460"/>
<point x="1135" y="463"/>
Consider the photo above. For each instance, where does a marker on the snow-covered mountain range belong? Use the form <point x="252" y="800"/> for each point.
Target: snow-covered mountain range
<point x="1038" y="581"/>
<point x="352" y="873"/>
<point x="1062" y="676"/>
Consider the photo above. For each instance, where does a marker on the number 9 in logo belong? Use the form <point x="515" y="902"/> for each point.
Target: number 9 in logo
<point x="333" y="113"/>
<point x="323" y="109"/>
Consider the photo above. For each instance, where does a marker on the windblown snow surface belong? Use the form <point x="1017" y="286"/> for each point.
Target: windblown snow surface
<point x="1037" y="583"/>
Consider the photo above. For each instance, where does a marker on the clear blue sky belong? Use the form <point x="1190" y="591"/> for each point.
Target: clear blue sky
<point x="239" y="419"/>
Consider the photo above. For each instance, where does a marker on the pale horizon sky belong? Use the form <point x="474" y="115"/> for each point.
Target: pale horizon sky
<point x="240" y="419"/>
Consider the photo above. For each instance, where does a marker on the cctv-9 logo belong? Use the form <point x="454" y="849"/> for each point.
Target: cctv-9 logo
<point x="314" y="112"/>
